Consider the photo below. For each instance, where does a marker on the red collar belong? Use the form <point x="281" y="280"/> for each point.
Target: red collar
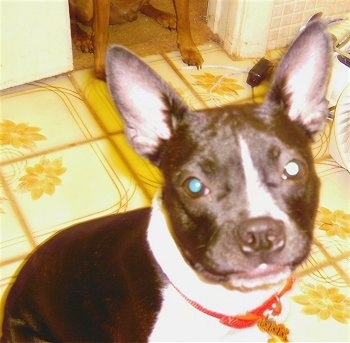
<point x="272" y="306"/>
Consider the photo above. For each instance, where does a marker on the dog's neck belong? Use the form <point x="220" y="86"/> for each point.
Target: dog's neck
<point x="211" y="296"/>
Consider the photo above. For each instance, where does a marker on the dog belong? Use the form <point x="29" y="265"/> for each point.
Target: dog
<point x="232" y="221"/>
<point x="100" y="14"/>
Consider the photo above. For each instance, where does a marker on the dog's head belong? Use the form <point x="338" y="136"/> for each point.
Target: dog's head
<point x="240" y="188"/>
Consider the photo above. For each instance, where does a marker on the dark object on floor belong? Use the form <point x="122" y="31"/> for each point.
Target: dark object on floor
<point x="260" y="72"/>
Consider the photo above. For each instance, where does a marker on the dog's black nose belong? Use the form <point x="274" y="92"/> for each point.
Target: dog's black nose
<point x="261" y="234"/>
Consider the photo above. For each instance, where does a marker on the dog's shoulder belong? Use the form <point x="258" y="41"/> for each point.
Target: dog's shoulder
<point x="83" y="245"/>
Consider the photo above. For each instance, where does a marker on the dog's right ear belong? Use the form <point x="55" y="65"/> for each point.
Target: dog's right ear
<point x="149" y="107"/>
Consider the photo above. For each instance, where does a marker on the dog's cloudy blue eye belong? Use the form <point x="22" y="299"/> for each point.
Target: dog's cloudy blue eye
<point x="293" y="169"/>
<point x="195" y="187"/>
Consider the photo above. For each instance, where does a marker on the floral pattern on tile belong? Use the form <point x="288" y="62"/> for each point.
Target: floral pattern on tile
<point x="42" y="178"/>
<point x="219" y="84"/>
<point x="334" y="223"/>
<point x="19" y="135"/>
<point x="324" y="302"/>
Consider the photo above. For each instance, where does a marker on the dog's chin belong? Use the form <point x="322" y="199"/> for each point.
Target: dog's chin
<point x="262" y="277"/>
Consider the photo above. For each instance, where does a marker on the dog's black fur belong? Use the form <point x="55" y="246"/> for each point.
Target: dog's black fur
<point x="104" y="280"/>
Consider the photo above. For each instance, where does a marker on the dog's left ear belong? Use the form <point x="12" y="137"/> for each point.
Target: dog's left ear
<point x="301" y="79"/>
<point x="149" y="106"/>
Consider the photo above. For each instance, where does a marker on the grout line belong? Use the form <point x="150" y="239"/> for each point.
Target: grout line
<point x="18" y="213"/>
<point x="331" y="261"/>
<point x="18" y="258"/>
<point x="334" y="260"/>
<point x="324" y="264"/>
<point x="60" y="148"/>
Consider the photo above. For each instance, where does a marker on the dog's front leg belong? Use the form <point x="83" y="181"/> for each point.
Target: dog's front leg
<point x="100" y="33"/>
<point x="189" y="52"/>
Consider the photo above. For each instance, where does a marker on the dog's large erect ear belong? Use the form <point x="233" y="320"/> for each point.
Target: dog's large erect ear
<point x="147" y="104"/>
<point x="301" y="79"/>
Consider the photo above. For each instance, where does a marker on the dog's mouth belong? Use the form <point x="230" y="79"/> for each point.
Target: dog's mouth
<point x="263" y="276"/>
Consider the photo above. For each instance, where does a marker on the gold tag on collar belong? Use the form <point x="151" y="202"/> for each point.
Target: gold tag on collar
<point x="278" y="332"/>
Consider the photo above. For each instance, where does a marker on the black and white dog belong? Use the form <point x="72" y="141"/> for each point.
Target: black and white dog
<point x="233" y="220"/>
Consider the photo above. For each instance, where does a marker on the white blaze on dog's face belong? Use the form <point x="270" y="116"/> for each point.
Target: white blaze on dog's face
<point x="240" y="190"/>
<point x="260" y="201"/>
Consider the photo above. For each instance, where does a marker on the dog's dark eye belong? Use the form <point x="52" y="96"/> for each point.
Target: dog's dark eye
<point x="195" y="187"/>
<point x="294" y="169"/>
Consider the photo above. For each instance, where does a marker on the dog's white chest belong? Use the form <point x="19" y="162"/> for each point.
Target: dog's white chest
<point x="178" y="321"/>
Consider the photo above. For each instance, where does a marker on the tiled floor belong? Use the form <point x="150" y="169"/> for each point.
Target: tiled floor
<point x="64" y="159"/>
